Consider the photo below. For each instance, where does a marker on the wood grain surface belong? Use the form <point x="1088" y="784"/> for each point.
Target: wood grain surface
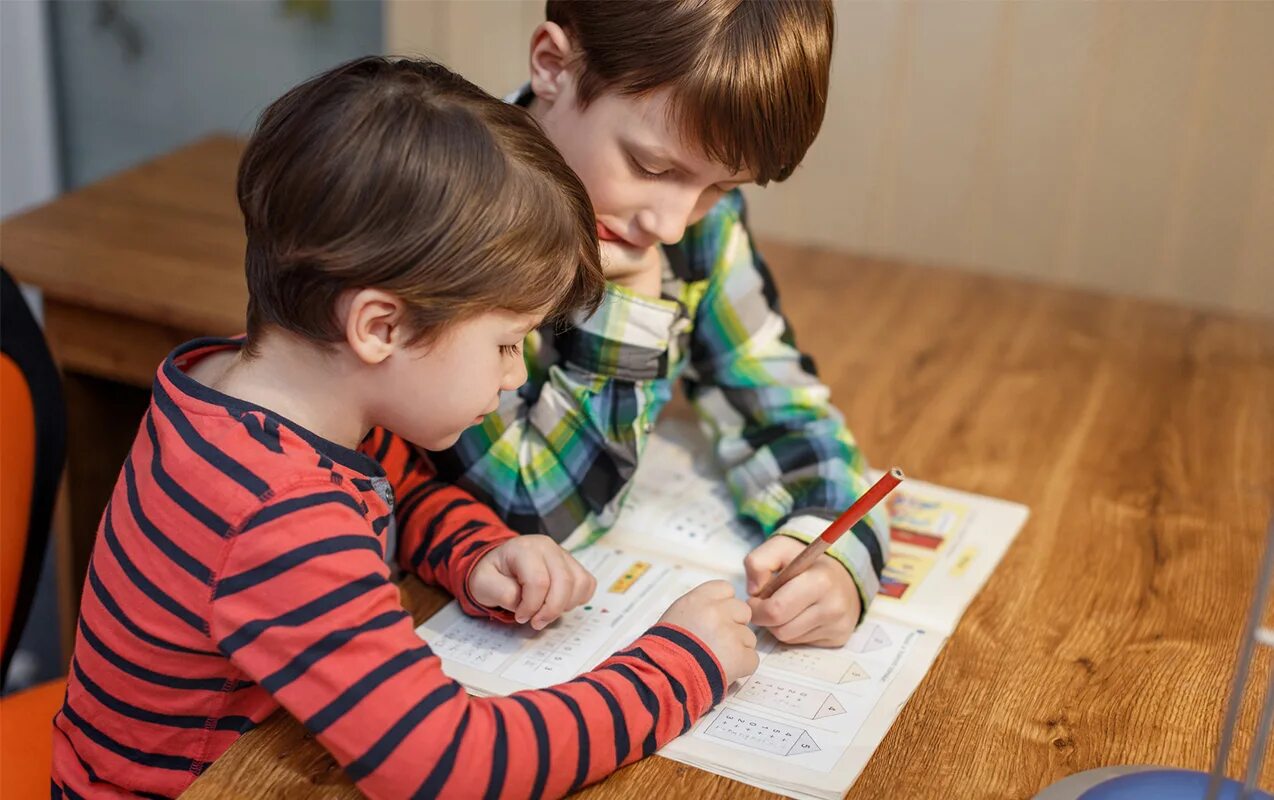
<point x="160" y="243"/>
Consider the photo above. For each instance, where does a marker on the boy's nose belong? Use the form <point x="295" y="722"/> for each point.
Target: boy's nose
<point x="667" y="228"/>
<point x="515" y="376"/>
<point x="667" y="221"/>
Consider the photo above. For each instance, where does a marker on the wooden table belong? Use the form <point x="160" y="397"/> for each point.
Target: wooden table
<point x="1141" y="436"/>
<point x="130" y="267"/>
<point x="132" y="264"/>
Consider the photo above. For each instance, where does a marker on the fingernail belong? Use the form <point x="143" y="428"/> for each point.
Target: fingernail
<point x="520" y="619"/>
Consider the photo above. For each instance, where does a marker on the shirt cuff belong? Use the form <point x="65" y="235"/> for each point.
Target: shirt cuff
<point x="694" y="660"/>
<point x="848" y="550"/>
<point x="472" y="607"/>
<point x="629" y="336"/>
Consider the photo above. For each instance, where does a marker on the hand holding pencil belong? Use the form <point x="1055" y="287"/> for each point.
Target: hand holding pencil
<point x="811" y="600"/>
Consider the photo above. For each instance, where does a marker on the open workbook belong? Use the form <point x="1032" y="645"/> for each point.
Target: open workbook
<point x="806" y="722"/>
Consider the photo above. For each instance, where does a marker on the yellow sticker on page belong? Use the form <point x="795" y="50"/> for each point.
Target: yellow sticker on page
<point x="962" y="562"/>
<point x="630" y="576"/>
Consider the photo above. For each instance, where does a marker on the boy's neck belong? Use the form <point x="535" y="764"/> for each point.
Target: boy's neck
<point x="295" y="379"/>
<point x="536" y="109"/>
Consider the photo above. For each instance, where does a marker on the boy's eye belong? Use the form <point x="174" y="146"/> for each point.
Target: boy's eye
<point x="642" y="172"/>
<point x="510" y="349"/>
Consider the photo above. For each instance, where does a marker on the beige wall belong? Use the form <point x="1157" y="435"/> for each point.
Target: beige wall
<point x="1127" y="146"/>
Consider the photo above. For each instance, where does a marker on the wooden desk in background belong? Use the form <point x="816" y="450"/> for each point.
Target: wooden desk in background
<point x="1141" y="436"/>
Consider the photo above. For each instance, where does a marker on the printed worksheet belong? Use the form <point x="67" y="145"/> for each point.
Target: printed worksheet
<point x="943" y="546"/>
<point x="807" y="721"/>
<point x="634" y="588"/>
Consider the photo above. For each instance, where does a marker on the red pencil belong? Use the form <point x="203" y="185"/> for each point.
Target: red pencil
<point x="834" y="531"/>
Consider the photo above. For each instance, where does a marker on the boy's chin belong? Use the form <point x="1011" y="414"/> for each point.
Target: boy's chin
<point x="439" y="441"/>
<point x="436" y="440"/>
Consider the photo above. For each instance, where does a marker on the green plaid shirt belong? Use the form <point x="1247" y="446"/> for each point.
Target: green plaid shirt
<point x="560" y="452"/>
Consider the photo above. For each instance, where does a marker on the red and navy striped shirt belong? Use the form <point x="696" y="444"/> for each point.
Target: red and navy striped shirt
<point x="241" y="566"/>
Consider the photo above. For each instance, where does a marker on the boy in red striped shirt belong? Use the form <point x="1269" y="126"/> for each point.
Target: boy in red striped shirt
<point x="402" y="241"/>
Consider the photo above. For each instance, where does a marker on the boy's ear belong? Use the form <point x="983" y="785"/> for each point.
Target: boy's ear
<point x="374" y="324"/>
<point x="552" y="56"/>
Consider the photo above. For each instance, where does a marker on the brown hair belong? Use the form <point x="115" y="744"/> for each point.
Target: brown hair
<point x="399" y="174"/>
<point x="748" y="78"/>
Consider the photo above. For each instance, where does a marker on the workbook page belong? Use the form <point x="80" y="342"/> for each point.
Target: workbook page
<point x="943" y="546"/>
<point x="944" y="543"/>
<point x="634" y="588"/>
<point x="804" y="723"/>
<point x="808" y="720"/>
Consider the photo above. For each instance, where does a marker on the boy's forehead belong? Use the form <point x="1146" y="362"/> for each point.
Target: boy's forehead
<point x="502" y="320"/>
<point x="520" y="322"/>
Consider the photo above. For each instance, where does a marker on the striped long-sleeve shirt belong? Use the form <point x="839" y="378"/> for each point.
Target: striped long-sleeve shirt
<point x="560" y="453"/>
<point x="241" y="566"/>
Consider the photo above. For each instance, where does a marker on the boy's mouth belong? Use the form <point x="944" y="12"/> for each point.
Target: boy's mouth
<point x="607" y="235"/>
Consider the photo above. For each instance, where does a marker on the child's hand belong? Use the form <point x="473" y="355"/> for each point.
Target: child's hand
<point x="533" y="577"/>
<point x="638" y="270"/>
<point x="712" y="612"/>
<point x="820" y="606"/>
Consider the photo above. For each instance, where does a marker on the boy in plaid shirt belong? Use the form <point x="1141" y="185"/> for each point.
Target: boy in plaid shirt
<point x="664" y="110"/>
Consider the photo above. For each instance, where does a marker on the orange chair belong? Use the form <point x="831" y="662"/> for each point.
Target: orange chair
<point x="32" y="450"/>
